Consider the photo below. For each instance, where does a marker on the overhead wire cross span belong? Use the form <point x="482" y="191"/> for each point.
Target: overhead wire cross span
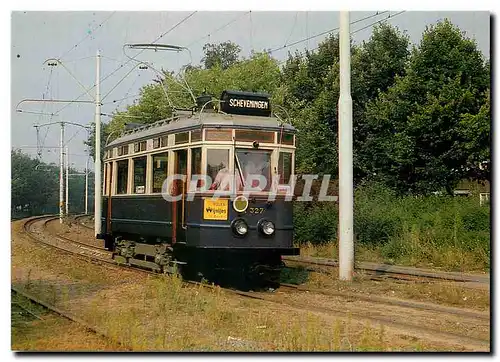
<point x="129" y="60"/>
<point x="390" y="16"/>
<point x="325" y="32"/>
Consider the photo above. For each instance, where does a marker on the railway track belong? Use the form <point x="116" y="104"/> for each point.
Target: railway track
<point x="398" y="272"/>
<point x="36" y="228"/>
<point x="94" y="329"/>
<point x="82" y="223"/>
<point x="381" y="271"/>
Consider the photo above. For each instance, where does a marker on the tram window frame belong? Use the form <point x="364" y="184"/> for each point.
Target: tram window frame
<point x="218" y="135"/>
<point x="196" y="135"/>
<point x="285" y="140"/>
<point x="241" y="173"/>
<point x="135" y="176"/>
<point x="197" y="164"/>
<point x="153" y="169"/>
<point x="282" y="179"/>
<point x="208" y="150"/>
<point x="181" y="138"/>
<point x="250" y="135"/>
<point x="123" y="150"/>
<point x="109" y="178"/>
<point x="139" y="146"/>
<point x="105" y="179"/>
<point x="164" y="141"/>
<point x="119" y="180"/>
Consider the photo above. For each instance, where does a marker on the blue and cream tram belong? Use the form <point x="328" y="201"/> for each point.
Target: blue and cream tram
<point x="206" y="190"/>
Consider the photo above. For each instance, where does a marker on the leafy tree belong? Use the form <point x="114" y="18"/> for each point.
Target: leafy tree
<point x="223" y="55"/>
<point x="313" y="80"/>
<point x="260" y="73"/>
<point x="419" y="139"/>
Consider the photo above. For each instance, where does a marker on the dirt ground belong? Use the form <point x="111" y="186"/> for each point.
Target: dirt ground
<point x="149" y="313"/>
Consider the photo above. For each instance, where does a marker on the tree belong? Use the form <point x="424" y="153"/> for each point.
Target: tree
<point x="223" y="55"/>
<point x="260" y="73"/>
<point x="313" y="80"/>
<point x="34" y="185"/>
<point x="420" y="128"/>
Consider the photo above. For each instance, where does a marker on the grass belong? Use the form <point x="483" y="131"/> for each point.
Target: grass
<point x="441" y="292"/>
<point x="159" y="313"/>
<point x="51" y="332"/>
<point x="196" y="318"/>
<point x="451" y="233"/>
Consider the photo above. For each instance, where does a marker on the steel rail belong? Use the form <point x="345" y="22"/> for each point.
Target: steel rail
<point x="411" y="328"/>
<point x="394" y="269"/>
<point x="70" y="316"/>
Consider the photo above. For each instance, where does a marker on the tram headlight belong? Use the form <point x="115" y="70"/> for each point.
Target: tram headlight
<point x="266" y="227"/>
<point x="240" y="227"/>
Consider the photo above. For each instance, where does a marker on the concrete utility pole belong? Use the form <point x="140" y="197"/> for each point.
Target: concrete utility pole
<point x="67" y="182"/>
<point x="61" y="175"/>
<point x="97" y="156"/>
<point x="346" y="194"/>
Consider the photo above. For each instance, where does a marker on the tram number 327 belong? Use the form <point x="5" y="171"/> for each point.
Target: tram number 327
<point x="255" y="210"/>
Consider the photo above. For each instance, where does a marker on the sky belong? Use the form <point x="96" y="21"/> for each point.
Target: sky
<point x="74" y="37"/>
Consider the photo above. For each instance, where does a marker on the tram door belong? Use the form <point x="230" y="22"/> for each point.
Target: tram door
<point x="178" y="207"/>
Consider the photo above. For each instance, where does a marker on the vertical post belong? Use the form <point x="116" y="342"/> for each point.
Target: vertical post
<point x="97" y="156"/>
<point x="87" y="185"/>
<point x="346" y="194"/>
<point x="61" y="175"/>
<point x="67" y="183"/>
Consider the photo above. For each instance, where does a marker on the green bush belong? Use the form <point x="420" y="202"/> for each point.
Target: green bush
<point x="453" y="232"/>
<point x="315" y="222"/>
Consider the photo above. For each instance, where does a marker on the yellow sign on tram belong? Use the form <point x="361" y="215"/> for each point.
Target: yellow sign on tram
<point x="215" y="209"/>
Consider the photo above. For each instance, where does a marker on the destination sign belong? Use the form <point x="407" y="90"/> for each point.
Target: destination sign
<point x="246" y="103"/>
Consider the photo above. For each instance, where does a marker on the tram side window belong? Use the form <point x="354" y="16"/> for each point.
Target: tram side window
<point x="218" y="169"/>
<point x="122" y="177"/>
<point x="139" y="186"/>
<point x="160" y="164"/>
<point x="196" y="164"/>
<point x="105" y="179"/>
<point x="285" y="167"/>
<point x="105" y="182"/>
<point x="109" y="169"/>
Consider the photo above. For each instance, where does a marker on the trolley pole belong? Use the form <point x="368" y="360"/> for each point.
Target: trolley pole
<point x="97" y="156"/>
<point x="67" y="182"/>
<point x="61" y="175"/>
<point x="87" y="185"/>
<point x="346" y="194"/>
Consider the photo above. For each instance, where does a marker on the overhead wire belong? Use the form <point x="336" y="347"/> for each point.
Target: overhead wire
<point x="46" y="92"/>
<point x="79" y="59"/>
<point x="87" y="36"/>
<point x="325" y="32"/>
<point x="130" y="59"/>
<point x="251" y="31"/>
<point x="74" y="135"/>
<point x="121" y="99"/>
<point x="118" y="83"/>
<point x="390" y="16"/>
<point x="379" y="21"/>
<point x="220" y="28"/>
<point x="293" y="28"/>
<point x="126" y="94"/>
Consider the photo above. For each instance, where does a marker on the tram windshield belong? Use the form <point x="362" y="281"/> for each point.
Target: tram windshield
<point x="253" y="169"/>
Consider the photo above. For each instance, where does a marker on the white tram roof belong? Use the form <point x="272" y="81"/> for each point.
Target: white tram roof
<point x="184" y="122"/>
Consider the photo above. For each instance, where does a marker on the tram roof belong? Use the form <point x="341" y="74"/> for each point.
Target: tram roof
<point x="206" y="120"/>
